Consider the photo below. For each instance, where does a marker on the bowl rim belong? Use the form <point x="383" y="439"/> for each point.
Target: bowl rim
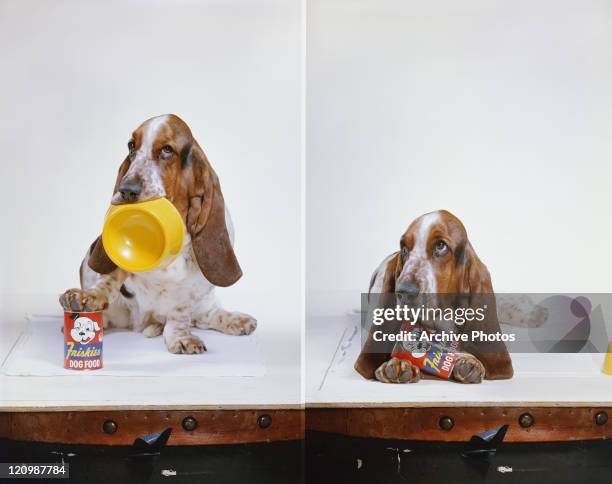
<point x="116" y="210"/>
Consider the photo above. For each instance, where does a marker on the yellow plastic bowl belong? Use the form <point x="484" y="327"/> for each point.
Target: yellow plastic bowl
<point x="143" y="236"/>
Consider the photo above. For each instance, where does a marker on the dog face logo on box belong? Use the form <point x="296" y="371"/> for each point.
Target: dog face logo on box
<point x="432" y="357"/>
<point x="83" y="340"/>
<point x="84" y="330"/>
<point x="418" y="348"/>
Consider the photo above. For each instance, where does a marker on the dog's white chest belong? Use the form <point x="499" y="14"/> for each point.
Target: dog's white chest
<point x="162" y="290"/>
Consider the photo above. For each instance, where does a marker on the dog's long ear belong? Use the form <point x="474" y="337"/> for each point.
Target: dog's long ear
<point x="98" y="258"/>
<point x="474" y="275"/>
<point x="374" y="354"/>
<point x="391" y="272"/>
<point x="206" y="223"/>
<point x="476" y="291"/>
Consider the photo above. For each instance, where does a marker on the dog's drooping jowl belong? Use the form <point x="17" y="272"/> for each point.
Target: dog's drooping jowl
<point x="164" y="160"/>
<point x="436" y="260"/>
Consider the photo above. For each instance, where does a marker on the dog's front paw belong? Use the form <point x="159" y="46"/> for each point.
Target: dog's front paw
<point x="468" y="369"/>
<point x="83" y="300"/>
<point x="237" y="324"/>
<point x="397" y="371"/>
<point x="186" y="345"/>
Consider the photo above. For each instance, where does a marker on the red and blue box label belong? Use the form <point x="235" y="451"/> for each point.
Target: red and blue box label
<point x="435" y="358"/>
<point x="83" y="340"/>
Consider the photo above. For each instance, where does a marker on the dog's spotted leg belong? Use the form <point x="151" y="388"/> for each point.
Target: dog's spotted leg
<point x="468" y="369"/>
<point x="228" y="322"/>
<point x="178" y="337"/>
<point x="397" y="371"/>
<point x="151" y="326"/>
<point x="153" y="329"/>
<point x="97" y="297"/>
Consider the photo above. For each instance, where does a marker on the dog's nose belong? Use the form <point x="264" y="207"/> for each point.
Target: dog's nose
<point x="408" y="288"/>
<point x="130" y="190"/>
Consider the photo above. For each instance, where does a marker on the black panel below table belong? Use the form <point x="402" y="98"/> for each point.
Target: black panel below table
<point x="334" y="458"/>
<point x="275" y="462"/>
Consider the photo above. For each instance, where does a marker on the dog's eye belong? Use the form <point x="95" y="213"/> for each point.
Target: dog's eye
<point x="131" y="146"/>
<point x="440" y="248"/>
<point x="405" y="251"/>
<point x="166" y="152"/>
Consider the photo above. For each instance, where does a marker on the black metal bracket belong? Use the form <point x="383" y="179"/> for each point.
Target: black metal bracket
<point x="484" y="445"/>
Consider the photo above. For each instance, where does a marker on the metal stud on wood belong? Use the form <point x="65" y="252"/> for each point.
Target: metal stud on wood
<point x="110" y="427"/>
<point x="446" y="423"/>
<point x="601" y="418"/>
<point x="190" y="424"/>
<point x="264" y="421"/>
<point x="526" y="420"/>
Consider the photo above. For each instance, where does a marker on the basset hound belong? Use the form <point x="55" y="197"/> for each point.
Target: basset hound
<point x="165" y="160"/>
<point x="436" y="260"/>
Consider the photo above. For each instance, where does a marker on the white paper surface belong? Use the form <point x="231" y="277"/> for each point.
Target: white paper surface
<point x="39" y="352"/>
<point x="337" y="374"/>
<point x="333" y="343"/>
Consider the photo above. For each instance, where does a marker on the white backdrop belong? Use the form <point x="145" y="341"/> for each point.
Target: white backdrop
<point x="500" y="112"/>
<point x="78" y="77"/>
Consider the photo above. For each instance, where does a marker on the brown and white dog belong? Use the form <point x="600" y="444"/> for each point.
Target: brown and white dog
<point x="436" y="258"/>
<point x="164" y="160"/>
